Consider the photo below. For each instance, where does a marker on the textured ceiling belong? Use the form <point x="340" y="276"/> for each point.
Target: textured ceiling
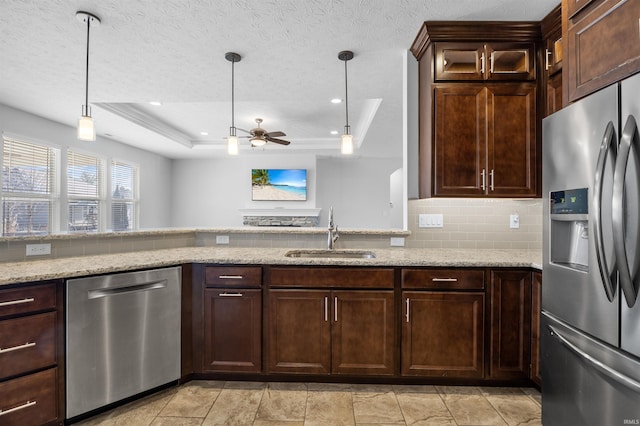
<point x="173" y="51"/>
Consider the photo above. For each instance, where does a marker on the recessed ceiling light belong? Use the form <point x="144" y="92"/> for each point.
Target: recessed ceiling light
<point x="334" y="132"/>
<point x="204" y="133"/>
<point x="336" y="101"/>
<point x="155" y="103"/>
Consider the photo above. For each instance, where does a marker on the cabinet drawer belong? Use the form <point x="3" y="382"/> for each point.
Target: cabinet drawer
<point x="443" y="278"/>
<point x="27" y="299"/>
<point x="27" y="343"/>
<point x="29" y="400"/>
<point x="233" y="276"/>
<point x="332" y="277"/>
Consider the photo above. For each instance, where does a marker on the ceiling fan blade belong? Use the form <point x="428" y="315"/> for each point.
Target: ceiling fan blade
<point x="280" y="141"/>
<point x="243" y="130"/>
<point x="275" y="134"/>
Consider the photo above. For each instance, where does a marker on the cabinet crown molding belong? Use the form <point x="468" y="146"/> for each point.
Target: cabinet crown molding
<point x="433" y="31"/>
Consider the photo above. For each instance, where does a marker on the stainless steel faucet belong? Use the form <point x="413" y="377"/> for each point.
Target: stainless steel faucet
<point x="332" y="234"/>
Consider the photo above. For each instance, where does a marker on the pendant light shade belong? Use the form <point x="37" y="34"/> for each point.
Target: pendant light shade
<point x="86" y="129"/>
<point x="232" y="141"/>
<point x="346" y="146"/>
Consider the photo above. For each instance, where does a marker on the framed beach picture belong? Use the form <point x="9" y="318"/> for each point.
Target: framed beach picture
<point x="278" y="184"/>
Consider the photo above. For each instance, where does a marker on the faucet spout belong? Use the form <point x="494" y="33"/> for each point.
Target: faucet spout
<point x="332" y="232"/>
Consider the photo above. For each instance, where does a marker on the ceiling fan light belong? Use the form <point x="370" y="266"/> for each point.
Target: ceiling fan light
<point x="86" y="129"/>
<point x="232" y="145"/>
<point x="257" y="141"/>
<point x="346" y="147"/>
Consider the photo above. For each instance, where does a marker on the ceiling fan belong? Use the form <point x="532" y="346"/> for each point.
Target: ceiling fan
<point x="260" y="136"/>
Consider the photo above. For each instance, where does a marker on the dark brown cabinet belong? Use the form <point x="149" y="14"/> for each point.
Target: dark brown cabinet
<point x="485" y="140"/>
<point x="478" y="101"/>
<point x="443" y="323"/>
<point x="299" y="332"/>
<point x="510" y="318"/>
<point x="31" y="345"/>
<point x="331" y="321"/>
<point x="551" y="27"/>
<point x="602" y="44"/>
<point x="484" y="61"/>
<point x="232" y="326"/>
<point x="536" y="305"/>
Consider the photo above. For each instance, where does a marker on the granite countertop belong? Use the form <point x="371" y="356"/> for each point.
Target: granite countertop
<point x="38" y="270"/>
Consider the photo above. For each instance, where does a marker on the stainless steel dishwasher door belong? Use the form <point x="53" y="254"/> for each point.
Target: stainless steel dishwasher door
<point x="123" y="336"/>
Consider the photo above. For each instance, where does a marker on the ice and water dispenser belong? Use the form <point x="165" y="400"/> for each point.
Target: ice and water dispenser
<point x="569" y="228"/>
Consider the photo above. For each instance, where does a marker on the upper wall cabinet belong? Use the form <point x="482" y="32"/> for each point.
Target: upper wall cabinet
<point x="602" y="44"/>
<point x="478" y="101"/>
<point x="485" y="61"/>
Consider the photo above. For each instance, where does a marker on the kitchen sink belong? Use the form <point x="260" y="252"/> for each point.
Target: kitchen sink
<point x="331" y="254"/>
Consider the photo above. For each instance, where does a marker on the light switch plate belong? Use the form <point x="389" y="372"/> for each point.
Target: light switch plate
<point x="430" y="221"/>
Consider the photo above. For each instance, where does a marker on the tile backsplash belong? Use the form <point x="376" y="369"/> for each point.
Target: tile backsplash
<point x="477" y="223"/>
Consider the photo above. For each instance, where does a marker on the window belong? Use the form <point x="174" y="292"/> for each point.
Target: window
<point x="124" y="196"/>
<point x="85" y="191"/>
<point x="29" y="190"/>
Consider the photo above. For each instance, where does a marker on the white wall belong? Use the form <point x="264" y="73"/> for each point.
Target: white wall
<point x="155" y="170"/>
<point x="210" y="192"/>
<point x="358" y="189"/>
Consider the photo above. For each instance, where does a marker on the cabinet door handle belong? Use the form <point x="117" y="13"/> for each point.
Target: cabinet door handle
<point x="491" y="174"/>
<point x="230" y="294"/>
<point x="17" y="302"/>
<point x="547" y="62"/>
<point x="484" y="179"/>
<point x="335" y="309"/>
<point x="407" y="309"/>
<point x="326" y="309"/>
<point x="19" y="407"/>
<point x="491" y="60"/>
<point x="230" y="277"/>
<point x="445" y="280"/>
<point x="482" y="61"/>
<point x="16" y="348"/>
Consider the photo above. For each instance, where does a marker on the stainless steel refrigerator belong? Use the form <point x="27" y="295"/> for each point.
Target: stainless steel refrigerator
<point x="590" y="322"/>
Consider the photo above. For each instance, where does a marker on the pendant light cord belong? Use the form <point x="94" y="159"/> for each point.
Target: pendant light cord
<point x="86" y="86"/>
<point x="346" y="97"/>
<point x="233" y="121"/>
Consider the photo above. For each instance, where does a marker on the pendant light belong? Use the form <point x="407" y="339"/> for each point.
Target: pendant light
<point x="232" y="140"/>
<point x="346" y="146"/>
<point x="86" y="129"/>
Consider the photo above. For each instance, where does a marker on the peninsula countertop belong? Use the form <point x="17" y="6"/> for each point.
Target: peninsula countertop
<point x="68" y="267"/>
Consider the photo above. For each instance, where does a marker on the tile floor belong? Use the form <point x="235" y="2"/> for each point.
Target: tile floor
<point x="310" y="404"/>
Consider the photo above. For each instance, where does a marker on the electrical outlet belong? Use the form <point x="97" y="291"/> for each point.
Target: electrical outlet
<point x="38" y="249"/>
<point x="222" y="239"/>
<point x="397" y="242"/>
<point x="514" y="221"/>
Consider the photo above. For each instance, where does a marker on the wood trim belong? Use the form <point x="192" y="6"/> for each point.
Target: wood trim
<point x="432" y="31"/>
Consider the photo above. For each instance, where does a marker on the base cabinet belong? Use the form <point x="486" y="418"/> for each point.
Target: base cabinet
<point x="233" y="330"/>
<point x="31" y="345"/>
<point x="299" y="333"/>
<point x="331" y="332"/>
<point x="510" y="342"/>
<point x="232" y="325"/>
<point x="442" y="334"/>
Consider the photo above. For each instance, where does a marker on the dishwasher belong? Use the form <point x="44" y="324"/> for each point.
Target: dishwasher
<point x="123" y="336"/>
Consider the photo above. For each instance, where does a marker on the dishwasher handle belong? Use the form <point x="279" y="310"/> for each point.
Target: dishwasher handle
<point x="107" y="292"/>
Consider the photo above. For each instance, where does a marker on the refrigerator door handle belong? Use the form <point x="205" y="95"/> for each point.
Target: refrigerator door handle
<point x="599" y="365"/>
<point x="607" y="147"/>
<point x="629" y="139"/>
